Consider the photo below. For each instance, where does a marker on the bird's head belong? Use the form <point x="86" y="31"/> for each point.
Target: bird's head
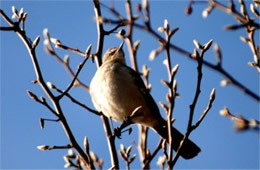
<point x="115" y="54"/>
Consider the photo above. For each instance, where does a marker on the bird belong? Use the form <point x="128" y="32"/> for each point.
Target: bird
<point x="117" y="91"/>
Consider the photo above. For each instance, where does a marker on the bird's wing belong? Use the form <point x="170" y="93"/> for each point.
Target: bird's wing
<point x="145" y="92"/>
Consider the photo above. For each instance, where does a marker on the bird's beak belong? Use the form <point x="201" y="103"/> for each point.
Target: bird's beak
<point x="121" y="46"/>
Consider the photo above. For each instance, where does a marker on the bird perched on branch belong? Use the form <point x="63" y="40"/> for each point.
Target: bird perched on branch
<point x="117" y="91"/>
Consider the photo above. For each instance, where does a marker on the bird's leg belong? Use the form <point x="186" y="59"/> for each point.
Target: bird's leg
<point x="127" y="121"/>
<point x="117" y="131"/>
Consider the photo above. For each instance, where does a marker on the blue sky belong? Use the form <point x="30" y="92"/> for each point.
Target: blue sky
<point x="72" y="23"/>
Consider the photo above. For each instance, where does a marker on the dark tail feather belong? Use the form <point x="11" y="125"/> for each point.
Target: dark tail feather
<point x="189" y="149"/>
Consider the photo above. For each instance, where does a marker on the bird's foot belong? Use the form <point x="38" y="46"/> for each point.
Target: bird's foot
<point x="119" y="130"/>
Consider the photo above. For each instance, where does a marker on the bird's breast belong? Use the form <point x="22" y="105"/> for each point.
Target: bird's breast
<point x="115" y="92"/>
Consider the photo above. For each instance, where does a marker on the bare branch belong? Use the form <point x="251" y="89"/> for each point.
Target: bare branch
<point x="211" y="100"/>
<point x="185" y="53"/>
<point x="190" y="128"/>
<point x="76" y="101"/>
<point x="21" y="33"/>
<point x="110" y="137"/>
<point x="47" y="147"/>
<point x="49" y="49"/>
<point x="241" y="124"/>
<point x="77" y="72"/>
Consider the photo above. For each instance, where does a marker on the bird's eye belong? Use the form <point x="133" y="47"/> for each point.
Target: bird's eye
<point x="112" y="52"/>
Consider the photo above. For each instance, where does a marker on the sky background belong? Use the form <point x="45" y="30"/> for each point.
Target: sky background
<point x="72" y="23"/>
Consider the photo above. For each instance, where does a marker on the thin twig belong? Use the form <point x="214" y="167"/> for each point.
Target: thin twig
<point x="205" y="112"/>
<point x="8" y="20"/>
<point x="77" y="102"/>
<point x="50" y="50"/>
<point x="199" y="58"/>
<point x="143" y="131"/>
<point x="7" y="29"/>
<point x="101" y="33"/>
<point x="47" y="147"/>
<point x="75" y="50"/>
<point x="129" y="37"/>
<point x="142" y="145"/>
<point x="198" y="90"/>
<point x="185" y="53"/>
<point x="157" y="149"/>
<point x="31" y="50"/>
<point x="100" y="42"/>
<point x="236" y="15"/>
<point x="245" y="22"/>
<point x="42" y="101"/>
<point x="80" y="66"/>
<point x="111" y="143"/>
<point x="241" y="124"/>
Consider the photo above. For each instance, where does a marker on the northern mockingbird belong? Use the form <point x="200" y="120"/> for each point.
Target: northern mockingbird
<point x="117" y="90"/>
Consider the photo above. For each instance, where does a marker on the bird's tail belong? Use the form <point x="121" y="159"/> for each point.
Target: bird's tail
<point x="189" y="150"/>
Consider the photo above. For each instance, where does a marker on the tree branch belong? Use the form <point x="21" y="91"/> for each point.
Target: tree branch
<point x="110" y="137"/>
<point x="31" y="47"/>
<point x="187" y="54"/>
